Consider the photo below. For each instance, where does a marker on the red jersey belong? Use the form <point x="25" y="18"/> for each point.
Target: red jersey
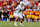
<point x="37" y="13"/>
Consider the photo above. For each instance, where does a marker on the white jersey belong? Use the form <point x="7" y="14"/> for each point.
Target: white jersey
<point x="17" y="13"/>
<point x="18" y="8"/>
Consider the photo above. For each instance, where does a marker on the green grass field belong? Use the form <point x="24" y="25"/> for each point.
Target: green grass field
<point x="26" y="24"/>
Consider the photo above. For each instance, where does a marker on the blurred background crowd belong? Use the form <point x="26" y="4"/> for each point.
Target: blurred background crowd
<point x="7" y="8"/>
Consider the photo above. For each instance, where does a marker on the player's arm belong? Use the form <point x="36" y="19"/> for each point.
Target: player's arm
<point x="18" y="7"/>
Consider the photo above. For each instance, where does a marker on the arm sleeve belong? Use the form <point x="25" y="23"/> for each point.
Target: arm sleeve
<point x="18" y="7"/>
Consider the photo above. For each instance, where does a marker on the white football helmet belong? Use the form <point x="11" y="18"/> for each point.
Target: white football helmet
<point x="21" y="2"/>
